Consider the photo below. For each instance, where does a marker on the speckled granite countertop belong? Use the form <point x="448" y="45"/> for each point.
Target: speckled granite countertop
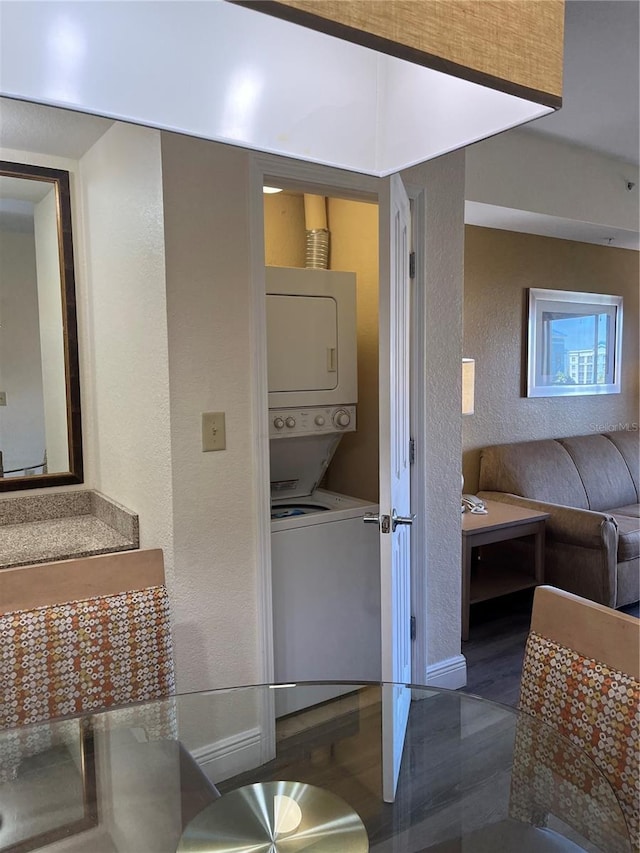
<point x="63" y="525"/>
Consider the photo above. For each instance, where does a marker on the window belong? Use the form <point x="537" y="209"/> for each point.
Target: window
<point x="574" y="343"/>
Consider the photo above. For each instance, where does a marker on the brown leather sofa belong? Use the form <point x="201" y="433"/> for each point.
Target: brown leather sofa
<point x="590" y="486"/>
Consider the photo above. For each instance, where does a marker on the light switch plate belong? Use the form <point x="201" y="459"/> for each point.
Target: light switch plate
<point x="213" y="431"/>
<point x="3" y="398"/>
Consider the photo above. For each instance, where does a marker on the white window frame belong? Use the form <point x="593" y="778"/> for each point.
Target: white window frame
<point x="558" y="302"/>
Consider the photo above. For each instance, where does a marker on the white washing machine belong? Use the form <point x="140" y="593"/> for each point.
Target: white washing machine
<point x="325" y="568"/>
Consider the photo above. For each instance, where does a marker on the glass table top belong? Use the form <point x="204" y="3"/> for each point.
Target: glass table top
<point x="216" y="771"/>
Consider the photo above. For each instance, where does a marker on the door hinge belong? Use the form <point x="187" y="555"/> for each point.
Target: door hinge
<point x="412" y="264"/>
<point x="412" y="451"/>
<point x="413" y="627"/>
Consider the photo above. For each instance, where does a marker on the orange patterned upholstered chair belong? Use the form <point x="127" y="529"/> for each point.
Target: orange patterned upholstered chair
<point x="81" y="635"/>
<point x="581" y="677"/>
<point x="84" y="634"/>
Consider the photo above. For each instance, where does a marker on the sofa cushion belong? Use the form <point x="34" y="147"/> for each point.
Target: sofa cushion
<point x="540" y="470"/>
<point x="632" y="510"/>
<point x="628" y="443"/>
<point x="628" y="538"/>
<point x="628" y="583"/>
<point x="602" y="469"/>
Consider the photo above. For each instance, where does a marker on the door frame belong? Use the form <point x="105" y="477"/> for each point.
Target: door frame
<point x="418" y="417"/>
<point x="327" y="181"/>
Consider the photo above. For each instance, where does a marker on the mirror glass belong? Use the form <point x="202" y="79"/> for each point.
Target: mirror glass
<point x="40" y="428"/>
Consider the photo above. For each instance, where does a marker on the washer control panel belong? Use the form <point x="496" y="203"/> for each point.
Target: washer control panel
<point x="316" y="420"/>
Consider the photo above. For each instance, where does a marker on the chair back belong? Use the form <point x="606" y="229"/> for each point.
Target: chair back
<point x="581" y="676"/>
<point x="78" y="635"/>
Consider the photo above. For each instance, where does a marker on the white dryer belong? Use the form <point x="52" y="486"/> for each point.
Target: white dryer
<point x="311" y="337"/>
<point x="325" y="566"/>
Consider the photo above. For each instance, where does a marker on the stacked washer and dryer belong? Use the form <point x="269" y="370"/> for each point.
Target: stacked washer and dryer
<point x="325" y="560"/>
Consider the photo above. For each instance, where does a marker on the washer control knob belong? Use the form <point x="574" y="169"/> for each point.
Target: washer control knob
<point x="341" y="418"/>
<point x="290" y="422"/>
<point x="278" y="423"/>
<point x="319" y="420"/>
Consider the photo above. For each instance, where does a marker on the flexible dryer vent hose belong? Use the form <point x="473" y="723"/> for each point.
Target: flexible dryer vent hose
<point x="317" y="249"/>
<point x="317" y="233"/>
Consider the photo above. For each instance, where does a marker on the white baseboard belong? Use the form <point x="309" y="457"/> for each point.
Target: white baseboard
<point x="450" y="673"/>
<point x="230" y="756"/>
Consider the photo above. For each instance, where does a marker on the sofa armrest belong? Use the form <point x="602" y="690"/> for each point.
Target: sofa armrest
<point x="581" y="554"/>
<point x="567" y="524"/>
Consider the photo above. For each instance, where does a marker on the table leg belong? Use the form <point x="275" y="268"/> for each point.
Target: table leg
<point x="539" y="554"/>
<point x="466" y="585"/>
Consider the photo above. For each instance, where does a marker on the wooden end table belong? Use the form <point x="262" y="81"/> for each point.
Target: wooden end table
<point x="501" y="523"/>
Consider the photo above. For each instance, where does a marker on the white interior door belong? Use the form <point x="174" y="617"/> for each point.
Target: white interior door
<point x="395" y="492"/>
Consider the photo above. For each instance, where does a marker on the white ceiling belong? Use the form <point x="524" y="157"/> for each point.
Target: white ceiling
<point x="600" y="112"/>
<point x="545" y="225"/>
<point x="601" y="96"/>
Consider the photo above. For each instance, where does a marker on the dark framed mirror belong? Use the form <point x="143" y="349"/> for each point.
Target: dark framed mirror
<point x="40" y="417"/>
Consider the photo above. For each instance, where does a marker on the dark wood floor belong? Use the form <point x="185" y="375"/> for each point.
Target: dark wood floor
<point x="495" y="648"/>
<point x="497" y="635"/>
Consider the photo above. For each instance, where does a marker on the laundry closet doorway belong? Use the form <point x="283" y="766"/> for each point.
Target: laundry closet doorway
<point x="355" y="467"/>
<point x="322" y="353"/>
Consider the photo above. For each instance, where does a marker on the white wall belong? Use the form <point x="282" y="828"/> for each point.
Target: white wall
<point x="531" y="172"/>
<point x="125" y="393"/>
<point x="45" y="219"/>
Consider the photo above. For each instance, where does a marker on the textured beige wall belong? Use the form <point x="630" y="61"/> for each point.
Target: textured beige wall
<point x="284" y="238"/>
<point x="207" y="239"/>
<point x="437" y="435"/>
<point x="499" y="266"/>
<point x="353" y="226"/>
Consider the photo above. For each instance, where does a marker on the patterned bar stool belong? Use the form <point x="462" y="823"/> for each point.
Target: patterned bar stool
<point x="580" y="679"/>
<point x="80" y="653"/>
<point x="581" y="676"/>
<point x="78" y="636"/>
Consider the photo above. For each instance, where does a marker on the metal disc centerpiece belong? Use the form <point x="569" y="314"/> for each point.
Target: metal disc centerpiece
<point x="276" y="817"/>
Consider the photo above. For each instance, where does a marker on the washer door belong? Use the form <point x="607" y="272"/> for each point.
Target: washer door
<point x="298" y="464"/>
